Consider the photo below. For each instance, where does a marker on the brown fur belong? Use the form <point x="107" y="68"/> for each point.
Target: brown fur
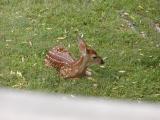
<point x="61" y="59"/>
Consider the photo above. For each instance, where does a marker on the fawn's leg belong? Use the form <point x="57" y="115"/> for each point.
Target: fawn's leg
<point x="47" y="63"/>
<point x="88" y="73"/>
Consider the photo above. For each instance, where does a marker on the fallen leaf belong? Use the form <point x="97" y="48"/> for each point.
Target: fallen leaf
<point x="8" y="40"/>
<point x="141" y="54"/>
<point x="91" y="78"/>
<point x="30" y="43"/>
<point x="28" y="28"/>
<point x="132" y="17"/>
<point x="143" y="34"/>
<point x="125" y="13"/>
<point x="72" y="96"/>
<point x="105" y="58"/>
<point x="121" y="71"/>
<point x="69" y="45"/>
<point x="95" y="85"/>
<point x="140" y="7"/>
<point x="19" y="74"/>
<point x="102" y="66"/>
<point x="157" y="27"/>
<point x="12" y="72"/>
<point x="22" y="59"/>
<point x="61" y="38"/>
<point x="49" y="28"/>
<point x="34" y="64"/>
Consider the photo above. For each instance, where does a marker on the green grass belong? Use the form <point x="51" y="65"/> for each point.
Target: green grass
<point x="29" y="28"/>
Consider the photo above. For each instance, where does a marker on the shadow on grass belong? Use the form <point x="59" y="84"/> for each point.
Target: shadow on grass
<point x="108" y="74"/>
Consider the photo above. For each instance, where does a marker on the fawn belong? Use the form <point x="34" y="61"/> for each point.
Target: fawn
<point x="59" y="58"/>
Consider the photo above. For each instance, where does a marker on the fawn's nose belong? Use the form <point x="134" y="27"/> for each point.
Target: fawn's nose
<point x="102" y="62"/>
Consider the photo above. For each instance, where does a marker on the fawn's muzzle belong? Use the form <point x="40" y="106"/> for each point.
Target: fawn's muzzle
<point x="102" y="62"/>
<point x="99" y="60"/>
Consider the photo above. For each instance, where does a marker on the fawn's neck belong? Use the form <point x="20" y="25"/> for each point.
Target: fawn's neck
<point x="82" y="63"/>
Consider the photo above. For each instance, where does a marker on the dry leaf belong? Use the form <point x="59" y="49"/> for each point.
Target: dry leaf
<point x="34" y="64"/>
<point x="69" y="45"/>
<point x="8" y="40"/>
<point x="28" y="28"/>
<point x="30" y="43"/>
<point x="61" y="38"/>
<point x="125" y="13"/>
<point x="95" y="85"/>
<point x="141" y="54"/>
<point x="22" y="59"/>
<point x="12" y="72"/>
<point x="49" y="28"/>
<point x="157" y="27"/>
<point x="143" y="34"/>
<point x="132" y="17"/>
<point x="105" y="58"/>
<point x="121" y="71"/>
<point x="19" y="74"/>
<point x="140" y="7"/>
<point x="72" y="96"/>
<point x="102" y="66"/>
<point x="90" y="78"/>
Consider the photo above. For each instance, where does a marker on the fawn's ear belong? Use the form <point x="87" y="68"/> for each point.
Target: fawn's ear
<point x="82" y="45"/>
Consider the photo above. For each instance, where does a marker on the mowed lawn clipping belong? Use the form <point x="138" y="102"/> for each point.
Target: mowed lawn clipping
<point x="126" y="33"/>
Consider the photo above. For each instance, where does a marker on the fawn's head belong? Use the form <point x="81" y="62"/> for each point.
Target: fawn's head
<point x="89" y="52"/>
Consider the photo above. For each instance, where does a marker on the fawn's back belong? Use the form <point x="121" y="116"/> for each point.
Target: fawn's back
<point x="58" y="57"/>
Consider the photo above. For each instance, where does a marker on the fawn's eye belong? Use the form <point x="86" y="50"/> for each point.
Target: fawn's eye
<point x="94" y="57"/>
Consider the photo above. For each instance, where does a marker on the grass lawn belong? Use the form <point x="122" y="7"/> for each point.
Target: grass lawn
<point x="123" y="32"/>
